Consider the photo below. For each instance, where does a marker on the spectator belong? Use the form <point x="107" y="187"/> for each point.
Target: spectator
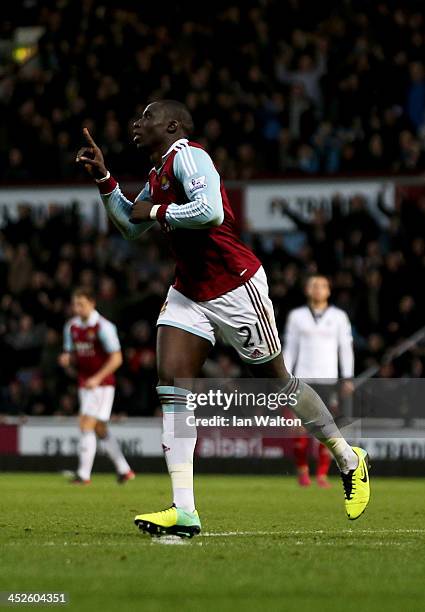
<point x="308" y="72"/>
<point x="26" y="340"/>
<point x="328" y="91"/>
<point x="416" y="95"/>
<point x="38" y="400"/>
<point x="380" y="287"/>
<point x="342" y="67"/>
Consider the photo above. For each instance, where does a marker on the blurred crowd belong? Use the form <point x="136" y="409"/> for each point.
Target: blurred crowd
<point x="377" y="276"/>
<point x="275" y="86"/>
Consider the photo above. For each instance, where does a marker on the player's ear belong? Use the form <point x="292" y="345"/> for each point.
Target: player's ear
<point x="173" y="126"/>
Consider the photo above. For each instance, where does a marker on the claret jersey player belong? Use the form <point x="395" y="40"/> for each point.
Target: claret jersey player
<point x="221" y="288"/>
<point x="91" y="344"/>
<point x="220" y="292"/>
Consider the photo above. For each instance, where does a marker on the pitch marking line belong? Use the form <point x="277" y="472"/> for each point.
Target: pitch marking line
<point x="171" y="540"/>
<point x="226" y="534"/>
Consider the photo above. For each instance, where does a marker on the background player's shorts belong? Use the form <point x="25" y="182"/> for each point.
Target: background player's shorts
<point x="97" y="402"/>
<point x="243" y="318"/>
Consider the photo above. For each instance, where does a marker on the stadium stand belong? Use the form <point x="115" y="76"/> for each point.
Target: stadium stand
<point x="294" y="87"/>
<point x="377" y="276"/>
<point x="346" y="96"/>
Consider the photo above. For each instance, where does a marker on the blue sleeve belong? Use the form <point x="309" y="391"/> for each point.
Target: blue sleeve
<point x="195" y="170"/>
<point x="118" y="209"/>
<point x="108" y="337"/>
<point x="68" y="345"/>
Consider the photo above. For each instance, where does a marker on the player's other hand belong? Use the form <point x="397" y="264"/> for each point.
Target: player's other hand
<point x="347" y="388"/>
<point x="92" y="382"/>
<point x="64" y="360"/>
<point x="140" y="211"/>
<point x="91" y="157"/>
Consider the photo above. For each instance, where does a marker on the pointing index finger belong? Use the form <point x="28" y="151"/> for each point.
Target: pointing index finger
<point x="88" y="137"/>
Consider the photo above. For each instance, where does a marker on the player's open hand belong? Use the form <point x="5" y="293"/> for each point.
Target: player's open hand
<point x="140" y="211"/>
<point x="91" y="157"/>
<point x="92" y="382"/>
<point x="64" y="360"/>
<point x="347" y="388"/>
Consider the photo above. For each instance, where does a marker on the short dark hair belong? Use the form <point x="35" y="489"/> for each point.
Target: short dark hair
<point x="318" y="275"/>
<point x="85" y="292"/>
<point x="178" y="111"/>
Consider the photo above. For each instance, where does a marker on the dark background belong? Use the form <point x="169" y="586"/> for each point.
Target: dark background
<point x="276" y="89"/>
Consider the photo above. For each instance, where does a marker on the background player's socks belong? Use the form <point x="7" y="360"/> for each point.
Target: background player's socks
<point x="112" y="449"/>
<point x="178" y="442"/>
<point x="300" y="452"/>
<point x="324" y="459"/>
<point x="317" y="419"/>
<point x="301" y="460"/>
<point x="86" y="454"/>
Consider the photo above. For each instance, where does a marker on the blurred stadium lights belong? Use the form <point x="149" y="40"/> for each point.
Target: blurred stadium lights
<point x="25" y="43"/>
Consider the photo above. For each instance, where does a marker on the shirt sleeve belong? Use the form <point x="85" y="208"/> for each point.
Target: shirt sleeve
<point x="195" y="170"/>
<point x="345" y="347"/>
<point x="118" y="208"/>
<point x="68" y="345"/>
<point x="291" y="343"/>
<point x="108" y="337"/>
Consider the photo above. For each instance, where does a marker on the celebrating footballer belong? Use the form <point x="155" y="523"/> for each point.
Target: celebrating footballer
<point x="220" y="292"/>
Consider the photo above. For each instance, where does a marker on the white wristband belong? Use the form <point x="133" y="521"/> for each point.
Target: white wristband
<point x="104" y="178"/>
<point x="153" y="211"/>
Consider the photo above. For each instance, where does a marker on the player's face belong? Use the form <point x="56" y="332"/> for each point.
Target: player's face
<point x="82" y="307"/>
<point x="318" y="289"/>
<point x="149" y="130"/>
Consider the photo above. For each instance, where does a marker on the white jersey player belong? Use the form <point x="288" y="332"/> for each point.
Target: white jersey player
<point x="319" y="349"/>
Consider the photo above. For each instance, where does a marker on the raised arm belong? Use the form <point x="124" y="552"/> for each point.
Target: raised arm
<point x="117" y="206"/>
<point x="382" y="206"/>
<point x="302" y="225"/>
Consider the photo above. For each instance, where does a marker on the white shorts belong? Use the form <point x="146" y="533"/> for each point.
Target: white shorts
<point x="97" y="402"/>
<point x="243" y="318"/>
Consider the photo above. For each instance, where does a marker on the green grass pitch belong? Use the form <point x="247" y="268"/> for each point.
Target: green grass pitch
<point x="266" y="545"/>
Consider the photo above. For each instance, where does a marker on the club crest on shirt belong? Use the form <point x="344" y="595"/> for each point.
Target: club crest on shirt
<point x="91" y="334"/>
<point x="164" y="182"/>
